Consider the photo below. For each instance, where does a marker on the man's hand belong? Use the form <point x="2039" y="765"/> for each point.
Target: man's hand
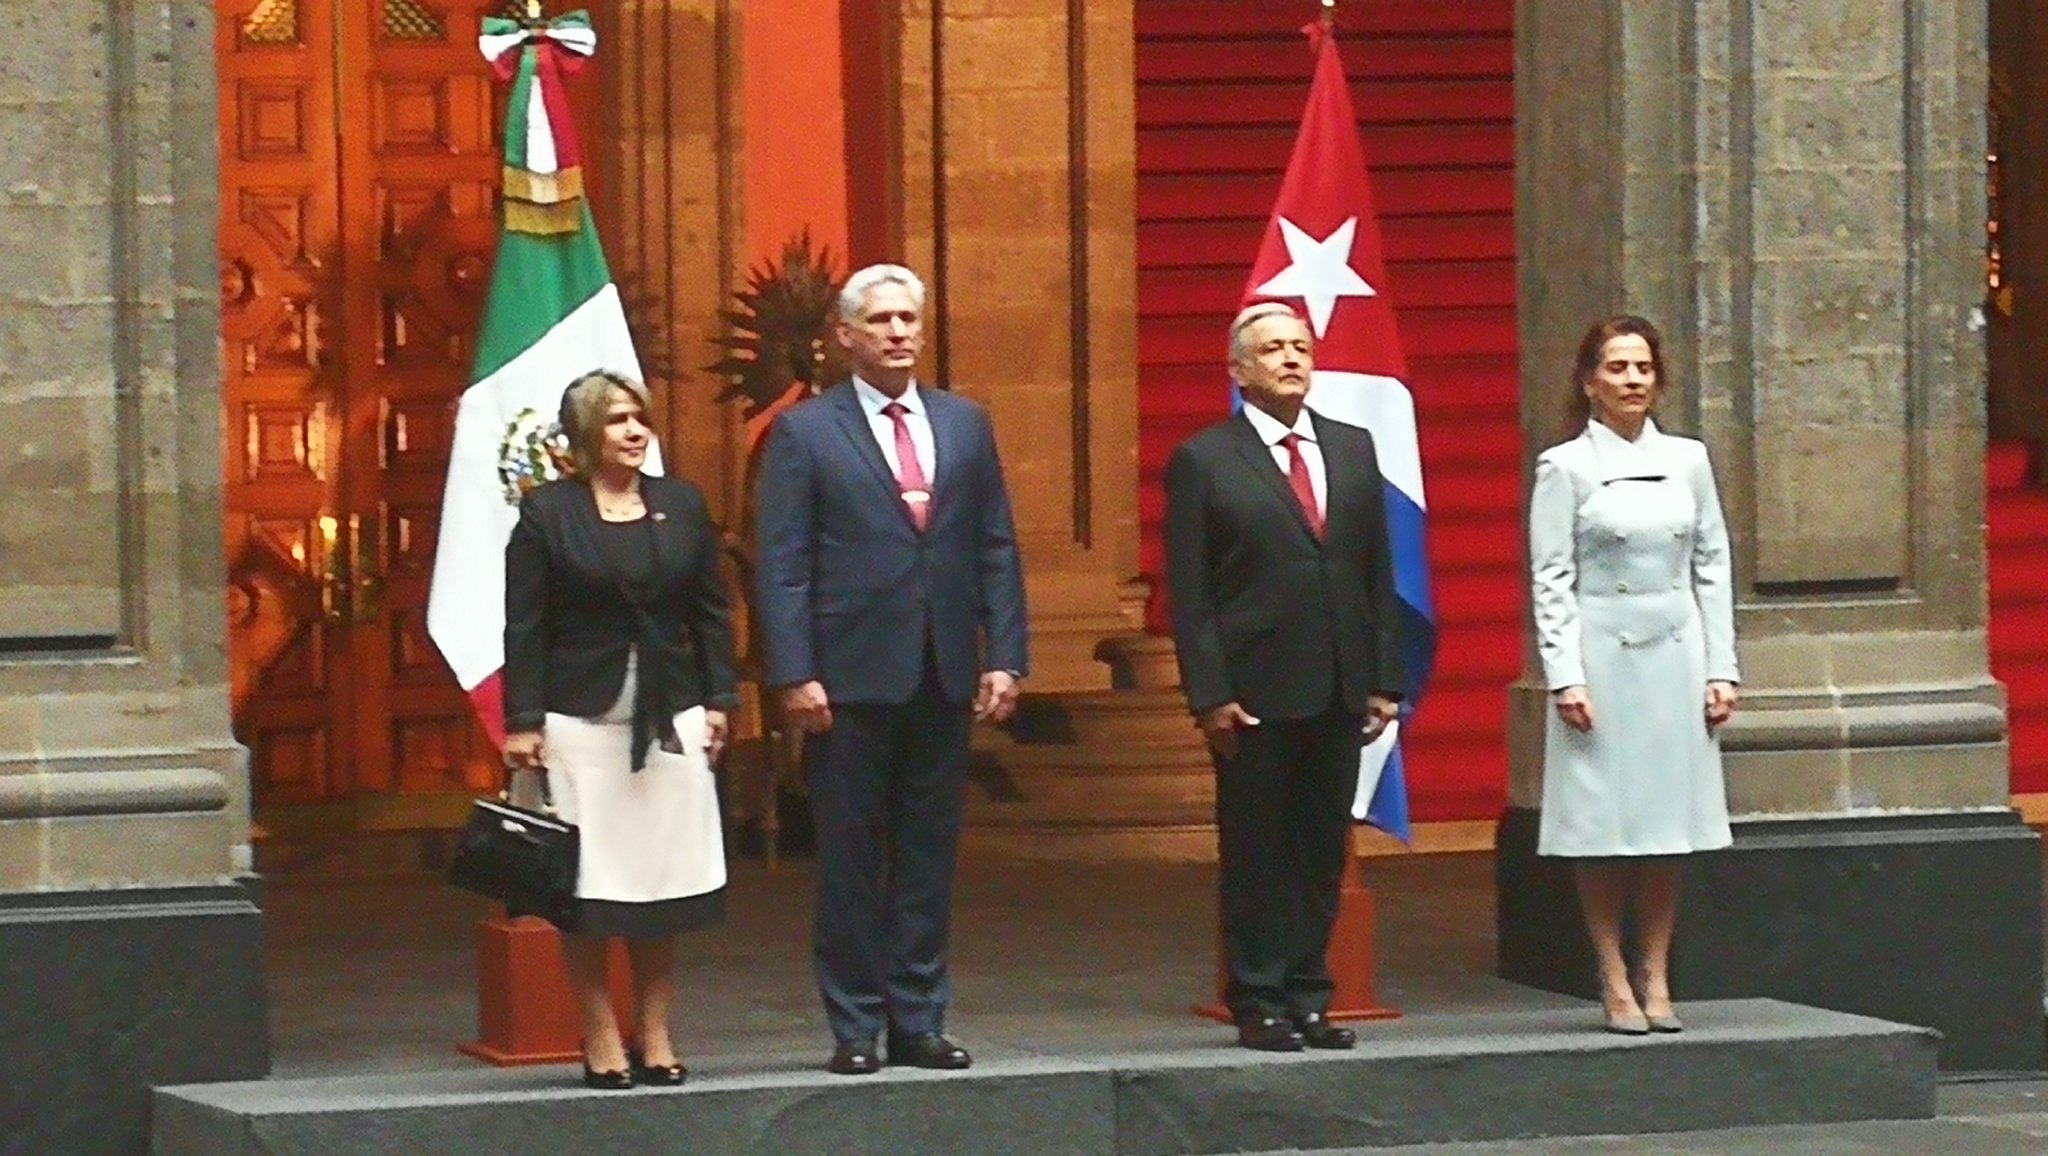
<point x="1220" y="726"/>
<point x="996" y="699"/>
<point x="1721" y="698"/>
<point x="1575" y="707"/>
<point x="525" y="750"/>
<point x="1379" y="711"/>
<point x="716" y="728"/>
<point x="807" y="708"/>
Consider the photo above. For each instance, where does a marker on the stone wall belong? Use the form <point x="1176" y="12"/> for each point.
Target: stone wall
<point x="116" y="763"/>
<point x="123" y="797"/>
<point x="1017" y="163"/>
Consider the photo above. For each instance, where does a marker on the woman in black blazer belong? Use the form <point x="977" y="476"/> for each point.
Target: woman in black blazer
<point x="618" y="677"/>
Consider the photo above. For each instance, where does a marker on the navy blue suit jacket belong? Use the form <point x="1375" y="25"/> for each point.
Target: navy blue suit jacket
<point x="848" y="590"/>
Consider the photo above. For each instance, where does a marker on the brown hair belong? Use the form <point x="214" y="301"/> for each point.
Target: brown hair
<point x="586" y="410"/>
<point x="1579" y="407"/>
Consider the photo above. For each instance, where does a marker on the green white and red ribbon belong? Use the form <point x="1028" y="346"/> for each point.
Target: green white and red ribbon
<point x="543" y="174"/>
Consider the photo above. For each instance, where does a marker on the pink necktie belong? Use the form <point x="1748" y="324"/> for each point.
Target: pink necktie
<point x="917" y="497"/>
<point x="1298" y="480"/>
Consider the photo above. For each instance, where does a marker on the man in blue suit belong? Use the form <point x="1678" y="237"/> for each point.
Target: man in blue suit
<point x="892" y="603"/>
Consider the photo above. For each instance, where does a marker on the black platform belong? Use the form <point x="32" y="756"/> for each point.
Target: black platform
<point x="105" y="993"/>
<point x="1427" y="1079"/>
<point x="1931" y="919"/>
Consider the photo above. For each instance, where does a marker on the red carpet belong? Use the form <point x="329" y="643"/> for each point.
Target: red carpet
<point x="2017" y="513"/>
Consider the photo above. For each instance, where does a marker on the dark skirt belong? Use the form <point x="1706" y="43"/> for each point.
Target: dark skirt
<point x="650" y="920"/>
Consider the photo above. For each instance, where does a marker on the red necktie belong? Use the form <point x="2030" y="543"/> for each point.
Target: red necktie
<point x="917" y="496"/>
<point x="1298" y="481"/>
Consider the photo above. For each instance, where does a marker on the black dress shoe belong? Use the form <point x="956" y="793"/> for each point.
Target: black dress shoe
<point x="607" y="1081"/>
<point x="854" y="1058"/>
<point x="1267" y="1034"/>
<point x="930" y="1050"/>
<point x="1318" y="1032"/>
<point x="661" y="1076"/>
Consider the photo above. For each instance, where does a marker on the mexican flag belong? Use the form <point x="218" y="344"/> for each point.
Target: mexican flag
<point x="552" y="314"/>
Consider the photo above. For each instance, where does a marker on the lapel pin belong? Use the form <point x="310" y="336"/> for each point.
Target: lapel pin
<point x="660" y="517"/>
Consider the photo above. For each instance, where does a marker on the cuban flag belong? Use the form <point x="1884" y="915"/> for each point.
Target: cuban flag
<point x="1322" y="248"/>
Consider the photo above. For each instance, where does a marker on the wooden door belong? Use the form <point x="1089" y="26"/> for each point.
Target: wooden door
<point x="358" y="168"/>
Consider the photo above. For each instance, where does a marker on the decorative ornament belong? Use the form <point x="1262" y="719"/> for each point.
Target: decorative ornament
<point x="776" y="336"/>
<point x="543" y="160"/>
<point x="533" y="451"/>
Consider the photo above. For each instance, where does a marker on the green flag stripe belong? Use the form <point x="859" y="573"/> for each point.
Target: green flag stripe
<point x="537" y="281"/>
<point x="516" y="103"/>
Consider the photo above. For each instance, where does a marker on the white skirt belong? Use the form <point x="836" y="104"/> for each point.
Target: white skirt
<point x="651" y="836"/>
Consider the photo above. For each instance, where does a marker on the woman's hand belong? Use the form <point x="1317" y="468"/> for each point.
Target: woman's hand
<point x="1721" y="698"/>
<point x="716" y="727"/>
<point x="525" y="751"/>
<point x="1575" y="707"/>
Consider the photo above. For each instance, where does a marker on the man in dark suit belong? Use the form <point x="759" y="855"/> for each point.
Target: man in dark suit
<point x="1279" y="574"/>
<point x="892" y="603"/>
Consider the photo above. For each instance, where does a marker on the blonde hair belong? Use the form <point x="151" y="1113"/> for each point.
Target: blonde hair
<point x="587" y="409"/>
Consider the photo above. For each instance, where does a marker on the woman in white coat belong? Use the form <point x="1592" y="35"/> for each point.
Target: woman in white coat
<point x="1635" y="623"/>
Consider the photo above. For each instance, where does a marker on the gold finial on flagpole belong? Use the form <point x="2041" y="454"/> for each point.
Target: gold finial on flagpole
<point x="533" y="10"/>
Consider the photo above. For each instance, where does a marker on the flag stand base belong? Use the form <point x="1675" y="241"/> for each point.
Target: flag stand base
<point x="525" y="1009"/>
<point x="1354" y="968"/>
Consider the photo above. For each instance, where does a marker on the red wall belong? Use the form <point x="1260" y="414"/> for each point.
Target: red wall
<point x="1221" y="85"/>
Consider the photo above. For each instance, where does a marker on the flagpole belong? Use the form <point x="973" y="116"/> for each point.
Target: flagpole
<point x="1329" y="14"/>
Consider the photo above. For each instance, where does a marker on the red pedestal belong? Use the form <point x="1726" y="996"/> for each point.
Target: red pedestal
<point x="525" y="1010"/>
<point x="1354" y="967"/>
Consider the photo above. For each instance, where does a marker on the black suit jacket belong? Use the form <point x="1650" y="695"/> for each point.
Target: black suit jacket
<point x="569" y="622"/>
<point x="849" y="592"/>
<point x="1264" y="614"/>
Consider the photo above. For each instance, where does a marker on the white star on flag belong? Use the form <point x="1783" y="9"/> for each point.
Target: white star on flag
<point x="1318" y="272"/>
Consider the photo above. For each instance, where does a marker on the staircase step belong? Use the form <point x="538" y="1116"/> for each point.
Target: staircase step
<point x="1099" y="759"/>
<point x="2016" y="516"/>
<point x="2018" y="630"/>
<point x="1429" y="1079"/>
<point x="2009" y="464"/>
<point x="2019" y="570"/>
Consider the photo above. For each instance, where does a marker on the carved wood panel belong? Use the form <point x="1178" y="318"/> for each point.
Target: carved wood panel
<point x="419" y="209"/>
<point x="280" y="247"/>
<point x="355" y="250"/>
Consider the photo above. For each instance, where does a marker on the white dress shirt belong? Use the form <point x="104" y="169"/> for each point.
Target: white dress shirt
<point x="872" y="401"/>
<point x="1273" y="433"/>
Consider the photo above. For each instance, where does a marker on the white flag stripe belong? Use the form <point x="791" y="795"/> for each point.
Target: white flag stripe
<point x="1372" y="763"/>
<point x="540" y="135"/>
<point x="1382" y="405"/>
<point x="582" y="41"/>
<point x="465" y="601"/>
<point x="498" y="44"/>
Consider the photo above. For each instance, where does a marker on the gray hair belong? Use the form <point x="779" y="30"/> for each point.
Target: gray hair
<point x="1250" y="315"/>
<point x="853" y="297"/>
<point x="586" y="409"/>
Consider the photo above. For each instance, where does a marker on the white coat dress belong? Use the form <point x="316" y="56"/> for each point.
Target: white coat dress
<point x="1630" y="579"/>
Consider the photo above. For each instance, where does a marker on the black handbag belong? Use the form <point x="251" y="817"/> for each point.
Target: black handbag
<point x="521" y="858"/>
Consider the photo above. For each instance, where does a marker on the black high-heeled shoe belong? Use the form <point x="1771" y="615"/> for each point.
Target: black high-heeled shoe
<point x="664" y="1076"/>
<point x="606" y="1081"/>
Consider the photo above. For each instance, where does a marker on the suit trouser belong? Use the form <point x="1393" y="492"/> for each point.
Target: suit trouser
<point x="1283" y="818"/>
<point x="886" y="785"/>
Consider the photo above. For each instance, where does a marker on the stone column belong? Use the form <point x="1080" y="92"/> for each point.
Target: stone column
<point x="129" y="949"/>
<point x="665" y="149"/>
<point x="1796" y="193"/>
<point x="1017" y="155"/>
